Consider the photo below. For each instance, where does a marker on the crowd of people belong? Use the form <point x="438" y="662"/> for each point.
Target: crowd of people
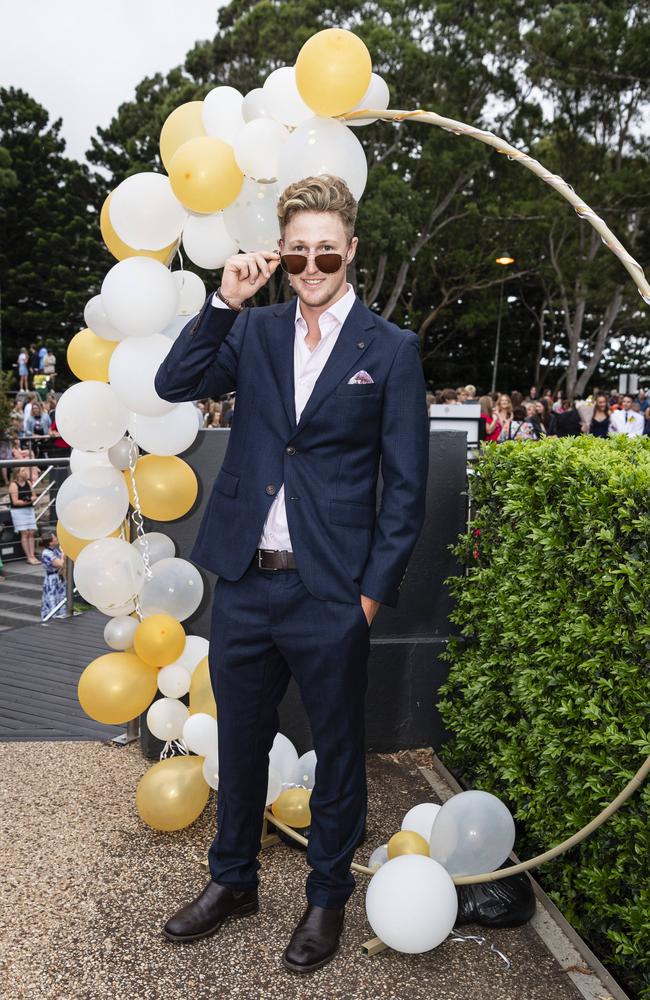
<point x="519" y="417"/>
<point x="37" y="364"/>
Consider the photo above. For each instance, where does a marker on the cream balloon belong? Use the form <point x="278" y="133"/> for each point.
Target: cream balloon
<point x="118" y="610"/>
<point x="253" y="106"/>
<point x="274" y="786"/>
<point x="109" y="572"/>
<point x="169" y="434"/>
<point x="411" y="903"/>
<point x="119" y="632"/>
<point x="191" y="292"/>
<point x="323" y="146"/>
<point x="166" y="718"/>
<point x="82" y="460"/>
<point x="257" y="148"/>
<point x="157" y="546"/>
<point x="377" y="97"/>
<point x="420" y="819"/>
<point x="145" y="212"/>
<point x="174" y="681"/>
<point x="252" y="218"/>
<point x="89" y="416"/>
<point x="174" y="588"/>
<point x="378" y="857"/>
<point x="281" y="97"/>
<point x="196" y="649"/>
<point x="283" y="756"/>
<point x="96" y="320"/>
<point x="200" y="735"/>
<point x="211" y="771"/>
<point x="140" y="296"/>
<point x="474" y="832"/>
<point x="92" y="503"/>
<point x="173" y="329"/>
<point x="207" y="242"/>
<point x="132" y="370"/>
<point x="122" y="454"/>
<point x="222" y="113"/>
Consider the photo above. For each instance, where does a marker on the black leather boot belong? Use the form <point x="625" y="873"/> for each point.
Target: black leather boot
<point x="315" y="940"/>
<point x="205" y="914"/>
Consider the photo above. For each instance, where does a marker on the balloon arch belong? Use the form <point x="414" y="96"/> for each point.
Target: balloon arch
<point x="227" y="159"/>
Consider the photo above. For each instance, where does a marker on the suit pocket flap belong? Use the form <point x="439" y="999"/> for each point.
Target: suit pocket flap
<point x="226" y="483"/>
<point x="352" y="515"/>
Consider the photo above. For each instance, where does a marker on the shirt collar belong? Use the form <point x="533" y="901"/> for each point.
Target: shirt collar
<point x="338" y="312"/>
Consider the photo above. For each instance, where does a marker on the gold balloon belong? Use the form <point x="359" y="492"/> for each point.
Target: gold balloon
<point x="333" y="71"/>
<point x="292" y="807"/>
<point x="71" y="545"/>
<point x="159" y="640"/>
<point x="167" y="486"/>
<point x="201" y="693"/>
<point x="172" y="793"/>
<point x="407" y="842"/>
<point x="185" y="122"/>
<point x="121" y="250"/>
<point x="204" y="174"/>
<point x="117" y="687"/>
<point x="88" y="355"/>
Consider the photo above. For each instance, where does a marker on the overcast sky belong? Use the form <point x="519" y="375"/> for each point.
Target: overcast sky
<point x="81" y="59"/>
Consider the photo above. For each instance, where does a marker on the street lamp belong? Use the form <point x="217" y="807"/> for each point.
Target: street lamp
<point x="504" y="260"/>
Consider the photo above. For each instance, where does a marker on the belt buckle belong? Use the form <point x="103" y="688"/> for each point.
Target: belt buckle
<point x="260" y="553"/>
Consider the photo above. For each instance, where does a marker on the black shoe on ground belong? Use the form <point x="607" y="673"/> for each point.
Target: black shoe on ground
<point x="315" y="940"/>
<point x="205" y="914"/>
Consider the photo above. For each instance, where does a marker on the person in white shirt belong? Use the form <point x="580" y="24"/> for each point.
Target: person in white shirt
<point x="626" y="421"/>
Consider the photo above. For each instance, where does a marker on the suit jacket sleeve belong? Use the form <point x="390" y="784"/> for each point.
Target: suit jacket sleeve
<point x="404" y="467"/>
<point x="204" y="357"/>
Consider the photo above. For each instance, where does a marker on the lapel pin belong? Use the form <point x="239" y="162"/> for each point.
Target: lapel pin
<point x="361" y="345"/>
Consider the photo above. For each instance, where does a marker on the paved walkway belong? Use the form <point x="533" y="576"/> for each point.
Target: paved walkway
<point x="88" y="886"/>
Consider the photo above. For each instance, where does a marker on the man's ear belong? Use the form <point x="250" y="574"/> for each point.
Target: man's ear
<point x="352" y="249"/>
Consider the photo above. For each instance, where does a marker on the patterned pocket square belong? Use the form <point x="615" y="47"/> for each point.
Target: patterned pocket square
<point x="361" y="378"/>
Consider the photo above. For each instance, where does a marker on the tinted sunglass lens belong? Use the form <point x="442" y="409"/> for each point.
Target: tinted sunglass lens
<point x="293" y="263"/>
<point x="328" y="263"/>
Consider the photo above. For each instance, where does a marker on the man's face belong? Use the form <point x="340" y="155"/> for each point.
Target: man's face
<point x="313" y="233"/>
<point x="627" y="402"/>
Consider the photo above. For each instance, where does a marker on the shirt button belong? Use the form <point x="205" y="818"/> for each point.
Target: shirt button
<point x="291" y="450"/>
<point x="270" y="490"/>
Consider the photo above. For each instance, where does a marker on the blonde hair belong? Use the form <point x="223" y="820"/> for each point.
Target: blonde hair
<point x="318" y="194"/>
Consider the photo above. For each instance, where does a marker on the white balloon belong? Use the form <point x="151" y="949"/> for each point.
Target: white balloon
<point x="254" y="106"/>
<point x="200" y="735"/>
<point x="119" y="632"/>
<point x="211" y="771"/>
<point x="93" y="503"/>
<point x="207" y="242"/>
<point x="174" y="588"/>
<point x="473" y="833"/>
<point x="145" y="212"/>
<point x="191" y="291"/>
<point x="132" y="370"/>
<point x="323" y="146"/>
<point x="222" y="113"/>
<point x="282" y="99"/>
<point x="157" y="545"/>
<point x="274" y="786"/>
<point x="174" y="681"/>
<point x="173" y="329"/>
<point x="90" y="417"/>
<point x="96" y="320"/>
<point x="119" y="610"/>
<point x="196" y="649"/>
<point x="257" y="148"/>
<point x="82" y="460"/>
<point x="169" y="434"/>
<point x="378" y="857"/>
<point x="305" y="770"/>
<point x="283" y="757"/>
<point x="411" y="903"/>
<point x="122" y="453"/>
<point x="140" y="296"/>
<point x="252" y="218"/>
<point x="377" y="97"/>
<point x="108" y="572"/>
<point x="420" y="819"/>
<point x="166" y="718"/>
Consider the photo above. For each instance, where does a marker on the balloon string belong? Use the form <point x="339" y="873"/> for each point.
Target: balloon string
<point x="138" y="520"/>
<point x="456" y="937"/>
<point x="174" y="748"/>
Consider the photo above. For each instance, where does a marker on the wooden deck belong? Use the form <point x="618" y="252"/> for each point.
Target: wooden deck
<point x="40" y="666"/>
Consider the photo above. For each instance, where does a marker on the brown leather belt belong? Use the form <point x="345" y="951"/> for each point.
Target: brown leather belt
<point x="274" y="559"/>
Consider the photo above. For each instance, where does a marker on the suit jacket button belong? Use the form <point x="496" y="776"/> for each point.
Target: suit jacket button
<point x="270" y="490"/>
<point x="290" y="450"/>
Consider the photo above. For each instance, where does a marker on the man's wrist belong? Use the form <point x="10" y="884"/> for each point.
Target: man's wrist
<point x="233" y="304"/>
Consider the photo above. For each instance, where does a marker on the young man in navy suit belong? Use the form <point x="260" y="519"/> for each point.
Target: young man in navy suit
<point x="326" y="391"/>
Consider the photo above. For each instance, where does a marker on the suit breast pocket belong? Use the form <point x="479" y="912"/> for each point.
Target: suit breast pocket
<point x="358" y="390"/>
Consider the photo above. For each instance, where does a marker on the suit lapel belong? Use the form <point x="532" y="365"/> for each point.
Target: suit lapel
<point x="282" y="329"/>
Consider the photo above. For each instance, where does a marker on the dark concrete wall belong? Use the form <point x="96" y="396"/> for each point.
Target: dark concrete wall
<point x="405" y="670"/>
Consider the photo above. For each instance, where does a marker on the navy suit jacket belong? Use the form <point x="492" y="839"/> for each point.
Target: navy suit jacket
<point x="328" y="462"/>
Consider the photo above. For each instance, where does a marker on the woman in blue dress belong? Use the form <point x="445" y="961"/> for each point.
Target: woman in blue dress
<point x="54" y="583"/>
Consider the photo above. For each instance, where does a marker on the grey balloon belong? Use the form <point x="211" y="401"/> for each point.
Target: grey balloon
<point x="473" y="833"/>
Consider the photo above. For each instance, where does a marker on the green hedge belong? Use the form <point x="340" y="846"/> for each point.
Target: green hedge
<point x="549" y="690"/>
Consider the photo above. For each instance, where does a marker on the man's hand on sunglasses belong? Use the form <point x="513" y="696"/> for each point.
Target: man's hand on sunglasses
<point x="245" y="273"/>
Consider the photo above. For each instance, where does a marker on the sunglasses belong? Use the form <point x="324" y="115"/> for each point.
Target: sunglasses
<point x="295" y="263"/>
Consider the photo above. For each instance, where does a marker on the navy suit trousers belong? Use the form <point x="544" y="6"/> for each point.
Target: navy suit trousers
<point x="267" y="627"/>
